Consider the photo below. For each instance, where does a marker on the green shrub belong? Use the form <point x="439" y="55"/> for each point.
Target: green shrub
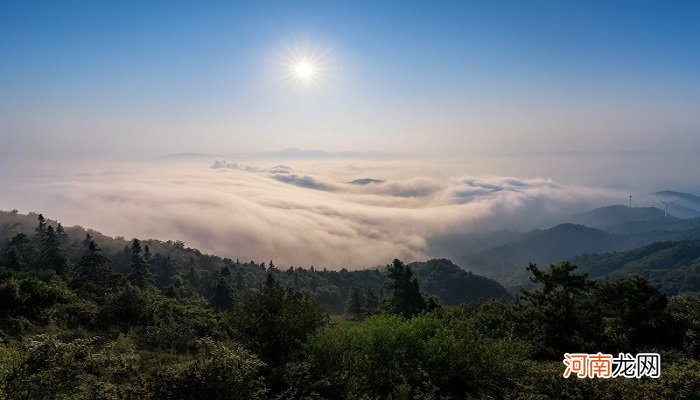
<point x="217" y="372"/>
<point x="387" y="354"/>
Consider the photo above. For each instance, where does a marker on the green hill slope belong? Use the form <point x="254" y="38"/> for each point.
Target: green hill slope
<point x="174" y="262"/>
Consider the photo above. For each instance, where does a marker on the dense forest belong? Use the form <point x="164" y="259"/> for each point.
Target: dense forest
<point x="604" y="234"/>
<point x="674" y="267"/>
<point x="90" y="318"/>
<point x="191" y="271"/>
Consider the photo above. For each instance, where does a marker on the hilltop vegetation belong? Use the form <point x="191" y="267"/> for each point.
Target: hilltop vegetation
<point x="192" y="272"/>
<point x="78" y="324"/>
<point x="674" y="267"/>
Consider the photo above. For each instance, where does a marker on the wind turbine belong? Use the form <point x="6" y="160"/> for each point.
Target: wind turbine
<point x="630" y="201"/>
<point x="666" y="207"/>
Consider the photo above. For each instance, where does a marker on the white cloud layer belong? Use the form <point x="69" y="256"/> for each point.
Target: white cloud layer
<point x="302" y="214"/>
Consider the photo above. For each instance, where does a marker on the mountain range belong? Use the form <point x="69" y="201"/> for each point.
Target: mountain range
<point x="598" y="236"/>
<point x="604" y="242"/>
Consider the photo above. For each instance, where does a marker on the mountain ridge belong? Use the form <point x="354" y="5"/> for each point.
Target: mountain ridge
<point x="449" y="282"/>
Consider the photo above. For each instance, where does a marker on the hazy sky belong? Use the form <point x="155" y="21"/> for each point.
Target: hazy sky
<point x="143" y="79"/>
<point x="508" y="114"/>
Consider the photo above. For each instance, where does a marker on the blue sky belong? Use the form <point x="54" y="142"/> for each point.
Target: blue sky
<point x="144" y="79"/>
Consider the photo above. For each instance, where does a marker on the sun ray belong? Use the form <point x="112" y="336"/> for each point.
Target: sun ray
<point x="306" y="66"/>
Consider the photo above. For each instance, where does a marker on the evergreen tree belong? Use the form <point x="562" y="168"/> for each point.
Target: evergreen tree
<point x="40" y="230"/>
<point x="556" y="319"/>
<point x="224" y="294"/>
<point x="93" y="272"/>
<point x="141" y="275"/>
<point x="52" y="252"/>
<point x="61" y="234"/>
<point x="275" y="321"/>
<point x="19" y="252"/>
<point x="164" y="270"/>
<point x="406" y="298"/>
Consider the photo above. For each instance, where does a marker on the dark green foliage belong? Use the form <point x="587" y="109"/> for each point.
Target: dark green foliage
<point x="94" y="276"/>
<point x="167" y="260"/>
<point x="569" y="311"/>
<point x="79" y="369"/>
<point x="177" y="325"/>
<point x="672" y="266"/>
<point x="275" y="321"/>
<point x="425" y="356"/>
<point x="542" y="380"/>
<point x="126" y="307"/>
<point x="40" y="230"/>
<point x="555" y="309"/>
<point x="164" y="271"/>
<point x="19" y="253"/>
<point x="685" y="311"/>
<point x="354" y="307"/>
<point x="184" y="325"/>
<point x="453" y="285"/>
<point x="216" y="372"/>
<point x="141" y="274"/>
<point x="224" y="294"/>
<point x="406" y="298"/>
<point x="633" y="315"/>
<point x="372" y="302"/>
<point x="52" y="253"/>
<point x="27" y="300"/>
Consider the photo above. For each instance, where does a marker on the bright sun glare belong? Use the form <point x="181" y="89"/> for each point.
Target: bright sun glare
<point x="304" y="70"/>
<point x="306" y="66"/>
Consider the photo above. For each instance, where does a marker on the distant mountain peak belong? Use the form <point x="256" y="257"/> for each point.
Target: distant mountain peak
<point x="365" y="181"/>
<point x="295" y="152"/>
<point x="686" y="196"/>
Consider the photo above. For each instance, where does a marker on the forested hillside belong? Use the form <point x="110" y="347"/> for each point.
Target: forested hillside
<point x="672" y="266"/>
<point x="190" y="272"/>
<point x="76" y="324"/>
<point x="625" y="231"/>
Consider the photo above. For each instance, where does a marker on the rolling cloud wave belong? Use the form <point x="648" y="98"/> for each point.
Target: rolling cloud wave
<point x="305" y="216"/>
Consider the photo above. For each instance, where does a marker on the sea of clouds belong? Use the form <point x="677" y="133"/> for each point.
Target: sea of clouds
<point x="296" y="212"/>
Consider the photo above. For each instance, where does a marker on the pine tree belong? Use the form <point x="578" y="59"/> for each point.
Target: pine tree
<point x="40" y="230"/>
<point x="164" y="270"/>
<point x="93" y="271"/>
<point x="52" y="252"/>
<point x="406" y="298"/>
<point x="141" y="275"/>
<point x="61" y="234"/>
<point x="224" y="295"/>
<point x="19" y="252"/>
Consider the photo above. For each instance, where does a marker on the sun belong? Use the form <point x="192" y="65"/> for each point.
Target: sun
<point x="306" y="66"/>
<point x="304" y="70"/>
